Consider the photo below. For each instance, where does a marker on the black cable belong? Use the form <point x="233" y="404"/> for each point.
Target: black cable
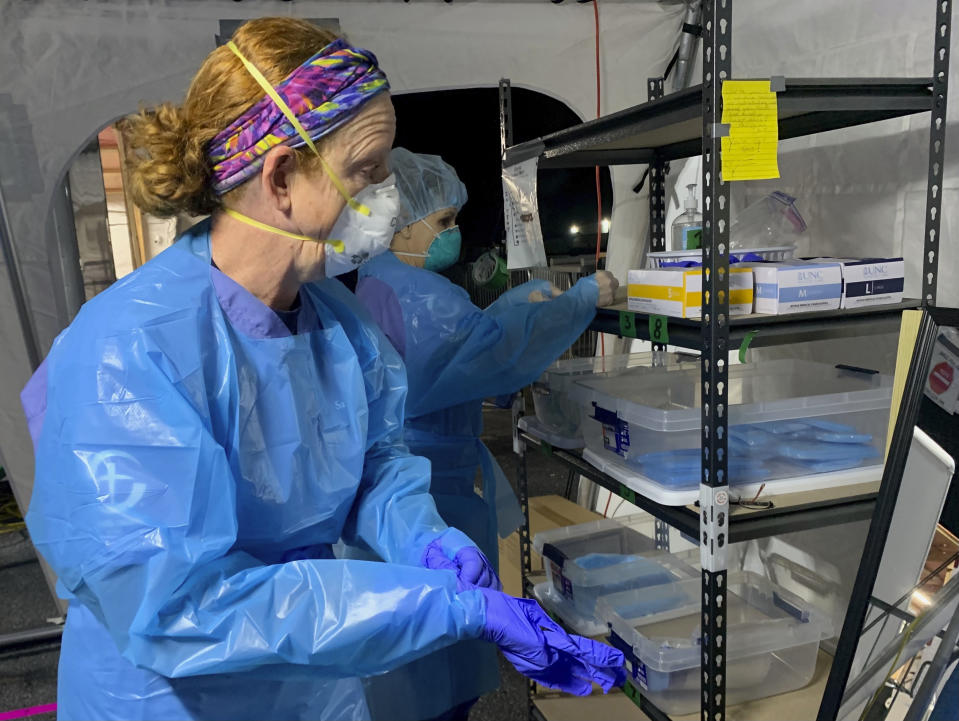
<point x="899" y="685"/>
<point x="569" y="484"/>
<point x="949" y="561"/>
<point x="642" y="181"/>
<point x="672" y="62"/>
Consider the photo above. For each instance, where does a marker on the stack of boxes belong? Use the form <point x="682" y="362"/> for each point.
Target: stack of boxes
<point x="818" y="284"/>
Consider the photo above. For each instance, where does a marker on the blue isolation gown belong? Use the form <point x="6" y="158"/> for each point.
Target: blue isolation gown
<point x="195" y="463"/>
<point x="456" y="355"/>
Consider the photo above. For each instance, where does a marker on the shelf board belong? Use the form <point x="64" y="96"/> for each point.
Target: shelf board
<point x="802" y="703"/>
<point x="671" y="127"/>
<point x="791" y="512"/>
<point x="772" y="329"/>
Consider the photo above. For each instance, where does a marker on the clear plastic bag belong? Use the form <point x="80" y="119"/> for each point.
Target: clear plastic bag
<point x="772" y="221"/>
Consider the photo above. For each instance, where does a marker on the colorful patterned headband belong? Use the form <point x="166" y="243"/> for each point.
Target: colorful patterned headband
<point x="323" y="93"/>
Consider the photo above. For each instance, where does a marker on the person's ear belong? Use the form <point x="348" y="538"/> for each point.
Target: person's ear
<point x="406" y="232"/>
<point x="276" y="177"/>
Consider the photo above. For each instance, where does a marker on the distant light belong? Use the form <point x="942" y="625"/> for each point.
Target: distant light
<point x="574" y="229"/>
<point x="605" y="225"/>
<point x="921" y="598"/>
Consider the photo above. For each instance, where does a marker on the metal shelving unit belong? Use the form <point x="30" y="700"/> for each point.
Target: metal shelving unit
<point x="684" y="124"/>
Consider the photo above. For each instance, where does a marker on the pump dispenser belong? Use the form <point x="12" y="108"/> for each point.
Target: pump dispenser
<point x="688" y="227"/>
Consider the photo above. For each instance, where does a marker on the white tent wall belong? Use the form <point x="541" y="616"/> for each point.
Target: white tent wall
<point x="862" y="190"/>
<point x="67" y="69"/>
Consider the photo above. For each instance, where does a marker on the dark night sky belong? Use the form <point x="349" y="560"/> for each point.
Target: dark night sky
<point x="462" y="126"/>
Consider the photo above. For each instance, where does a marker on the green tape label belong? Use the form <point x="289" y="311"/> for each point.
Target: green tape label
<point x="744" y="346"/>
<point x="627" y="324"/>
<point x="632" y="694"/>
<point x="628" y="494"/>
<point x="658" y="329"/>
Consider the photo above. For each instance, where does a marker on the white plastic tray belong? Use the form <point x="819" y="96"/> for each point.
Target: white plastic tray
<point x="683" y="497"/>
<point x="772" y="253"/>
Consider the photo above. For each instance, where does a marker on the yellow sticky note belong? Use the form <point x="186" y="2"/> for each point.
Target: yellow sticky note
<point x="751" y="150"/>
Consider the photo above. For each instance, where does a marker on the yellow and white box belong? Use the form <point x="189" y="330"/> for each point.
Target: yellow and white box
<point x="678" y="292"/>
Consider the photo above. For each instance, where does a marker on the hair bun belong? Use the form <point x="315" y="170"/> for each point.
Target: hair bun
<point x="168" y="172"/>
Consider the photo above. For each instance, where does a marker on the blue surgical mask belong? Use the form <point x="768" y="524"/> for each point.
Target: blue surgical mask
<point x="443" y="251"/>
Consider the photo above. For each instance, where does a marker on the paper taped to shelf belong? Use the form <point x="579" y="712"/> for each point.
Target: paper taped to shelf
<point x="750" y="151"/>
<point x="524" y="236"/>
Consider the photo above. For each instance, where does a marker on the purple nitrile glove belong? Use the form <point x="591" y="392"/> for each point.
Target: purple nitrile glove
<point x="470" y="565"/>
<point x="541" y="650"/>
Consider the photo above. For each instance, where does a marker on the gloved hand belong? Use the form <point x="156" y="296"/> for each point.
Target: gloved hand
<point x="538" y="296"/>
<point x="471" y="566"/>
<point x="607" y="287"/>
<point x="542" y="651"/>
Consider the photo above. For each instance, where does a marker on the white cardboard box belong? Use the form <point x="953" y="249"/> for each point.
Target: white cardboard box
<point x="870" y="281"/>
<point x="678" y="292"/>
<point x="797" y="287"/>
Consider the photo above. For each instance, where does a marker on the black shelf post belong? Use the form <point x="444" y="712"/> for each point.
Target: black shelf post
<point x="657" y="183"/>
<point x="714" y="489"/>
<point x="657" y="203"/>
<point x="505" y="116"/>
<point x="937" y="151"/>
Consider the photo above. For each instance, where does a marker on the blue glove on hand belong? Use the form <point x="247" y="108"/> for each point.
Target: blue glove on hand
<point x="471" y="566"/>
<point x="542" y="651"/>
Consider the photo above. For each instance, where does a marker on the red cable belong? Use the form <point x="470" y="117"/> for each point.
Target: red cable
<point x="599" y="192"/>
<point x="608" y="499"/>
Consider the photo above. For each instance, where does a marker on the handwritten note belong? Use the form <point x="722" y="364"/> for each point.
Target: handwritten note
<point x="750" y="152"/>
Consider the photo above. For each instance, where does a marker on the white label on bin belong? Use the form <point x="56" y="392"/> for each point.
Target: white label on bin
<point x="561" y="583"/>
<point x="616" y="437"/>
<point x="639" y="674"/>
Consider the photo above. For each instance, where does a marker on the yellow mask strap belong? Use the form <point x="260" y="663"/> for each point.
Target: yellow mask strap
<point x="338" y="245"/>
<point x="285" y="109"/>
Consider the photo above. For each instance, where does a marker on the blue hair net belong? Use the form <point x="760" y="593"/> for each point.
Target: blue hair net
<point x="427" y="183"/>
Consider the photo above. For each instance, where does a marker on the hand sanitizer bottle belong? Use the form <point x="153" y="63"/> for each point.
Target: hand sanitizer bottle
<point x="688" y="227"/>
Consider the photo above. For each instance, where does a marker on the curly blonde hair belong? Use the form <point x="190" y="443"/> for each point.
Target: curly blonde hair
<point x="166" y="147"/>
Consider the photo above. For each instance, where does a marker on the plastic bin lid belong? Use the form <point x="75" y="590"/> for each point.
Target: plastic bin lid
<point x="776" y="620"/>
<point x="757" y="392"/>
<point x="533" y="426"/>
<point x="563" y="545"/>
<point x="563" y="372"/>
<point x="562" y="607"/>
<point x="557" y="536"/>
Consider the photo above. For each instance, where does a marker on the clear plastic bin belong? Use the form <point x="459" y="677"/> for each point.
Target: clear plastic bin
<point x="560" y="607"/>
<point x="787" y="418"/>
<point x="589" y="560"/>
<point x="772" y="640"/>
<point x="559" y="415"/>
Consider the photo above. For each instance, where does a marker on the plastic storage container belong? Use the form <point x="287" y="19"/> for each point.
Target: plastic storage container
<point x="787" y="418"/>
<point x="772" y="640"/>
<point x="592" y="559"/>
<point x="559" y="416"/>
<point x="560" y="607"/>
